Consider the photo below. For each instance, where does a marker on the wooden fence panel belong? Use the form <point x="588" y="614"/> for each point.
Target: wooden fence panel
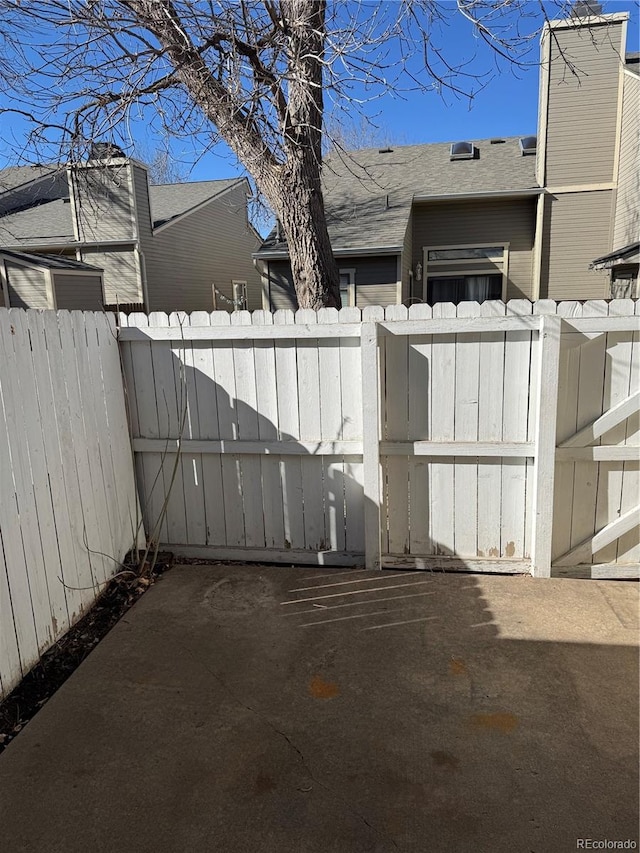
<point x="68" y="502"/>
<point x="459" y="466"/>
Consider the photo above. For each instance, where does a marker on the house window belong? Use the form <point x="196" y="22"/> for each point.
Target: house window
<point x="348" y="287"/>
<point x="465" y="273"/>
<point x="239" y="295"/>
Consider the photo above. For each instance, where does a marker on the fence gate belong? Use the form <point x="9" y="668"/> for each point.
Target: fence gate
<point x="597" y="480"/>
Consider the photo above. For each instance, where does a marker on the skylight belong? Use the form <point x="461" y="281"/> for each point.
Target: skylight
<point x="462" y="151"/>
<point x="528" y="144"/>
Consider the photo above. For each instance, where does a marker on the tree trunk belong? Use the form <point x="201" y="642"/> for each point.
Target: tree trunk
<point x="313" y="267"/>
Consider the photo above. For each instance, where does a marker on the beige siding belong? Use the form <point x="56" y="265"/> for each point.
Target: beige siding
<point x="627" y="222"/>
<point x="583" y="107"/>
<point x="120" y="272"/>
<point x="141" y="191"/>
<point x="103" y="203"/>
<point x="212" y="245"/>
<point x="281" y="293"/>
<point x="27" y="287"/>
<point x="407" y="258"/>
<point x="469" y="223"/>
<point x="576" y="230"/>
<point x="80" y="292"/>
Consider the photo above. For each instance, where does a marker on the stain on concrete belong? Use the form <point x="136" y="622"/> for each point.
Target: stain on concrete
<point x="457" y="666"/>
<point x="441" y="758"/>
<point x="321" y="689"/>
<point x="239" y="595"/>
<point x="504" y="722"/>
<point x="264" y="784"/>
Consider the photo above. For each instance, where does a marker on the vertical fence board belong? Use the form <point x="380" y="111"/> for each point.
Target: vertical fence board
<point x="289" y="429"/>
<point x="420" y="381"/>
<point x="490" y="406"/>
<point x="442" y="429"/>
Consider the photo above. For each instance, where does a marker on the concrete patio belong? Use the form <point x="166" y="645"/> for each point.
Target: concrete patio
<point x="282" y="709"/>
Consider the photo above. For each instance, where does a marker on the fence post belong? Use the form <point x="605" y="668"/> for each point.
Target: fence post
<point x="371" y="443"/>
<point x="545" y="444"/>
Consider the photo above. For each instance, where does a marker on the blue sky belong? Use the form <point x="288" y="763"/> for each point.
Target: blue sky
<point x="507" y="106"/>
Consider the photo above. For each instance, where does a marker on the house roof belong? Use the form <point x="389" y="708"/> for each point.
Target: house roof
<point x="52" y="262"/>
<point x="626" y="255"/>
<point x="49" y="223"/>
<point x="368" y="194"/>
<point x="168" y="201"/>
<point x="16" y="176"/>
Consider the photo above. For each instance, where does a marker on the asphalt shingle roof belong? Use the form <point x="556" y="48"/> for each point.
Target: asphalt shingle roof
<point x="15" y="176"/>
<point x="54" y="262"/>
<point x="42" y="224"/>
<point x="171" y="200"/>
<point x="368" y="194"/>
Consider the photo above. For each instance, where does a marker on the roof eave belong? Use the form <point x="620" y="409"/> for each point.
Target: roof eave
<point x="283" y="254"/>
<point x="523" y="193"/>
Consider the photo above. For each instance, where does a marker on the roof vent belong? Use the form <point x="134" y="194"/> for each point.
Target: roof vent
<point x="528" y="145"/>
<point x="385" y="150"/>
<point x="496" y="141"/>
<point x="462" y="151"/>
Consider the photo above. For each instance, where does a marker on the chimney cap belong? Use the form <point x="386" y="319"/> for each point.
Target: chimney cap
<point x="585" y="8"/>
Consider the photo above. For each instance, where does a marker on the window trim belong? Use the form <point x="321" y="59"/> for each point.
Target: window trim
<point x="236" y="282"/>
<point x="351" y="286"/>
<point x="430" y="268"/>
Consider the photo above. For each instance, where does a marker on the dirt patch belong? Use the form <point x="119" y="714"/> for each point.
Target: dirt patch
<point x="66" y="655"/>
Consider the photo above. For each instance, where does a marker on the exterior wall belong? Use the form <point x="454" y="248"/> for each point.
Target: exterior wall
<point x="627" y="214"/>
<point x="407" y="258"/>
<point x="120" y="273"/>
<point x="575" y="231"/>
<point x="213" y="245"/>
<point x="582" y="108"/>
<point x="79" y="292"/>
<point x="27" y="286"/>
<point x="375" y="280"/>
<point x="103" y="203"/>
<point x="481" y="223"/>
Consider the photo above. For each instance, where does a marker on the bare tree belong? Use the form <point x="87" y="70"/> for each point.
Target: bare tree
<point x="254" y="74"/>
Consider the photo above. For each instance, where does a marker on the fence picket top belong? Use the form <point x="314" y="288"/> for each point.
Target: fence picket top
<point x="396" y="312"/>
<point x="283" y="317"/>
<point x="220" y="318"/>
<point x="420" y="311"/>
<point x="138" y="319"/>
<point x="372" y="313"/>
<point x="306" y="317"/>
<point x="571" y="309"/>
<point x="519" y="307"/>
<point x="620" y="308"/>
<point x="595" y="308"/>
<point x="200" y="318"/>
<point x="327" y="315"/>
<point x="240" y="318"/>
<point x="263" y="318"/>
<point x="350" y="315"/>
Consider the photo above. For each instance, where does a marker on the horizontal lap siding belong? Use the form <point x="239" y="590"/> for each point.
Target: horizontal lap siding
<point x="375" y="278"/>
<point x="627" y="222"/>
<point x="27" y="287"/>
<point x="576" y="230"/>
<point x="104" y="203"/>
<point x="82" y="292"/>
<point x="211" y="246"/>
<point x="582" y="109"/>
<point x="481" y="223"/>
<point x="121" y="273"/>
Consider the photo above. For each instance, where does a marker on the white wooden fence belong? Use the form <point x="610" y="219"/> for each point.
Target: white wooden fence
<point x="68" y="502"/>
<point x="418" y="438"/>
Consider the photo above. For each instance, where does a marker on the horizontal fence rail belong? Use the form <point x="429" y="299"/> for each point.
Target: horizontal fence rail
<point x="68" y="502"/>
<point x="424" y="437"/>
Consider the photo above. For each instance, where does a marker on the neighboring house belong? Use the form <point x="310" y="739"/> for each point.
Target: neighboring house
<point x="49" y="281"/>
<point x="160" y="248"/>
<point x="549" y="217"/>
